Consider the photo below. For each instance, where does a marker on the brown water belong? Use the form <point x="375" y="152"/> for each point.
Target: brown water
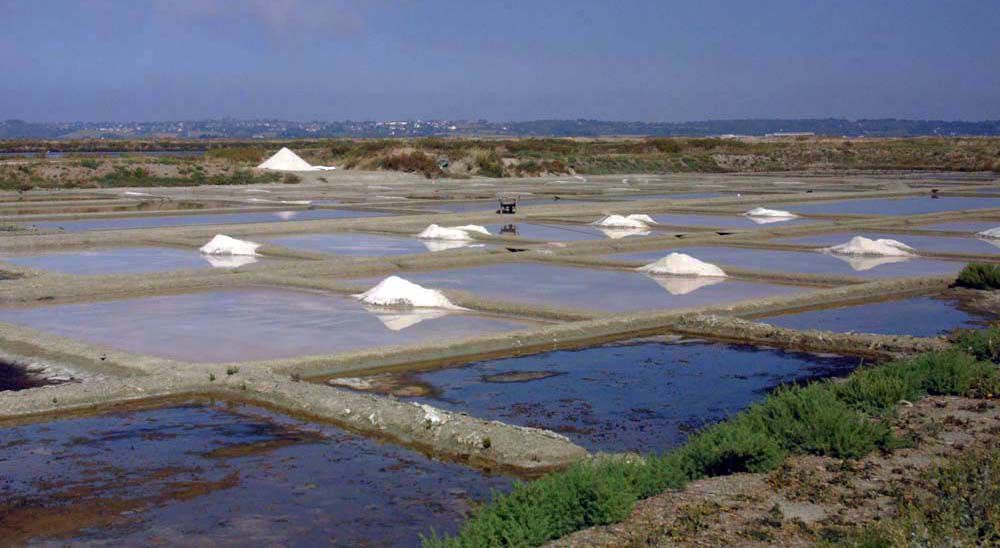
<point x="217" y="474"/>
<point x="248" y="324"/>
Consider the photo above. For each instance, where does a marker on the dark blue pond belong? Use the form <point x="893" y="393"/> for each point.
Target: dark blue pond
<point x="645" y="396"/>
<point x="222" y="475"/>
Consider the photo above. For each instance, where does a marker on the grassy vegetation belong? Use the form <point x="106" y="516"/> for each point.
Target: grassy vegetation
<point x="823" y="418"/>
<point x="980" y="276"/>
<point x="140" y="177"/>
<point x="956" y="504"/>
<point x="412" y="162"/>
<point x="248" y="154"/>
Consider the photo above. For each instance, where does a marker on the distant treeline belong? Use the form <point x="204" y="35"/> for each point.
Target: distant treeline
<point x="283" y="129"/>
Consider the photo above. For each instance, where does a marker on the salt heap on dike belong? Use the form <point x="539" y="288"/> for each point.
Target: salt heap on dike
<point x="626" y="221"/>
<point x="859" y="245"/>
<point x="452" y="233"/>
<point x="680" y="264"/>
<point x="397" y="292"/>
<point x="763" y="216"/>
<point x="993" y="233"/>
<point x="224" y="245"/>
<point x="765" y="212"/>
<point x="286" y="160"/>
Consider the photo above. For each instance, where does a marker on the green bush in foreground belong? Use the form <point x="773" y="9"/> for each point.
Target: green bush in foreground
<point x="822" y="418"/>
<point x="980" y="276"/>
<point x="984" y="344"/>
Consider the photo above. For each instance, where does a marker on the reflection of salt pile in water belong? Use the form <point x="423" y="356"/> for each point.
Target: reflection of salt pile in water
<point x="452" y="233"/>
<point x="680" y="264"/>
<point x="398" y="320"/>
<point x="225" y="245"/>
<point x="286" y="160"/>
<point x="859" y="245"/>
<point x="445" y="245"/>
<point x="763" y="216"/>
<point x="682" y="285"/>
<point x="286" y="215"/>
<point x="861" y="263"/>
<point x="229" y="261"/>
<point x="397" y="292"/>
<point x="636" y="221"/>
<point x="619" y="233"/>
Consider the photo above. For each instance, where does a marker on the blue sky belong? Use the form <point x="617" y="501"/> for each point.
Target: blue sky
<point x="656" y="60"/>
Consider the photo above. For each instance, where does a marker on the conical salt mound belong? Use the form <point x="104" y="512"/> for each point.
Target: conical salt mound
<point x="397" y="292"/>
<point x="286" y="160"/>
<point x="680" y="264"/>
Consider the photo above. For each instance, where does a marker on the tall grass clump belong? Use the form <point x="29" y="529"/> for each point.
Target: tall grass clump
<point x="823" y="418"/>
<point x="984" y="344"/>
<point x="979" y="276"/>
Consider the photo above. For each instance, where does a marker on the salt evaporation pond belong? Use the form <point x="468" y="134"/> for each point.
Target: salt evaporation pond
<point x="678" y="196"/>
<point x="124" y="260"/>
<point x="248" y="324"/>
<point x="723" y="221"/>
<point x="961" y="226"/>
<point x="805" y="262"/>
<point x="940" y="244"/>
<point x="918" y="316"/>
<point x="547" y="232"/>
<point x="594" y="289"/>
<point x="206" y="475"/>
<point x="352" y="243"/>
<point x="914" y="205"/>
<point x="644" y="396"/>
<point x="121" y="223"/>
<point x="493" y="204"/>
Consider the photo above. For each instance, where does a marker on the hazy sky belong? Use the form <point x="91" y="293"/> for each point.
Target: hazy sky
<point x="655" y="60"/>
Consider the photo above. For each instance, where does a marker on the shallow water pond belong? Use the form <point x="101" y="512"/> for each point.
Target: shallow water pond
<point x="493" y="205"/>
<point x="594" y="289"/>
<point x="678" y="196"/>
<point x="914" y="205"/>
<point x="219" y="474"/>
<point x="84" y="225"/>
<point x="918" y="316"/>
<point x="645" y="396"/>
<point x="552" y="232"/>
<point x="942" y="244"/>
<point x="126" y="260"/>
<point x="726" y="221"/>
<point x="352" y="243"/>
<point x="805" y="262"/>
<point x="962" y="226"/>
<point x="249" y="324"/>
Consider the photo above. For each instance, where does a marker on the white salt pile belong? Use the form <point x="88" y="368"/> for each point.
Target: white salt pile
<point x="765" y="212"/>
<point x="397" y="292"/>
<point x="286" y="160"/>
<point x="991" y="233"/>
<point x="859" y="245"/>
<point x="225" y="245"/>
<point x="626" y="221"/>
<point x="680" y="264"/>
<point x="453" y="233"/>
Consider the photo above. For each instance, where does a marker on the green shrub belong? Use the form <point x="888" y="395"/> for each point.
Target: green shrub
<point x="980" y="276"/>
<point x="489" y="164"/>
<point x="813" y="420"/>
<point x="252" y="155"/>
<point x="984" y="344"/>
<point x="412" y="162"/>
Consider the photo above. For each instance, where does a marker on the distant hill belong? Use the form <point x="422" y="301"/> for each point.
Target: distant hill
<point x="282" y="129"/>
